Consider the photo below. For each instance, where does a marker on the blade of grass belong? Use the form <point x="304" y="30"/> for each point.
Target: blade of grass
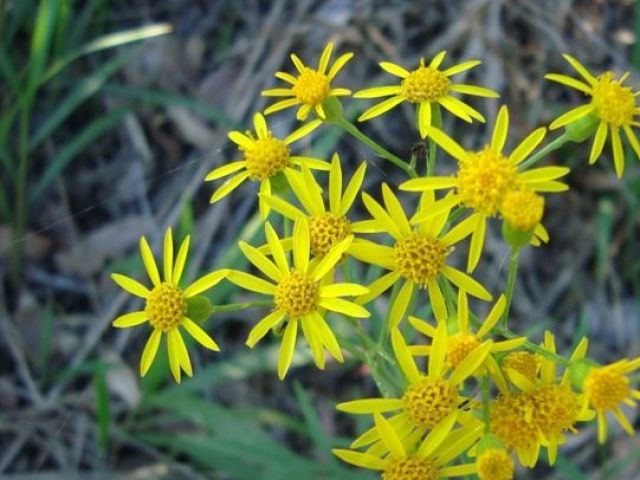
<point x="90" y="134"/>
<point x="160" y="97"/>
<point x="103" y="412"/>
<point x="314" y="426"/>
<point x="80" y="93"/>
<point x="108" y="41"/>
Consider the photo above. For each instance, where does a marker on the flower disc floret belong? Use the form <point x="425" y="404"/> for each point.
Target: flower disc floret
<point x="522" y="209"/>
<point x="429" y="401"/>
<point x="525" y="363"/>
<point x="166" y="306"/>
<point x="495" y="464"/>
<point x="459" y="346"/>
<point x="312" y="87"/>
<point x="556" y="409"/>
<point x="425" y="84"/>
<point x="606" y="388"/>
<point x="266" y="157"/>
<point x="420" y="258"/>
<point x="411" y="469"/>
<point x="613" y="102"/>
<point x="511" y="420"/>
<point x="296" y="294"/>
<point x="327" y="230"/>
<point x="484" y="178"/>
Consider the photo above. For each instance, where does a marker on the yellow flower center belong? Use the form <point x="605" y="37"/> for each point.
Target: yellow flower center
<point x="525" y="363"/>
<point x="166" y="306"/>
<point x="459" y="346"/>
<point x="429" y="401"/>
<point x="312" y="87"/>
<point x="411" y="469"/>
<point x="556" y="409"/>
<point x="511" y="420"/>
<point x="522" y="209"/>
<point x="325" y="231"/>
<point x="425" y="84"/>
<point x="296" y="294"/>
<point x="266" y="157"/>
<point x="419" y="258"/>
<point x="613" y="102"/>
<point x="483" y="180"/>
<point x="495" y="464"/>
<point x="606" y="388"/>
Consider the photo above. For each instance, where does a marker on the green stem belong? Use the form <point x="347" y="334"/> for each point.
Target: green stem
<point x="436" y="121"/>
<point x="511" y="282"/>
<point x="233" y="307"/>
<point x="352" y="130"/>
<point x="543" y="152"/>
<point x="486" y="397"/>
<point x="21" y="193"/>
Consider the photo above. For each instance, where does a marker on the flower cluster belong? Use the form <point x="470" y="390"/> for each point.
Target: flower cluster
<point x="487" y="395"/>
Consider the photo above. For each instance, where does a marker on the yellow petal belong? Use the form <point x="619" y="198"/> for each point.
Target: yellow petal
<point x="241" y="140"/>
<point x="225" y="170"/>
<point x="528" y="145"/>
<point x="404" y="357"/>
<point x="473" y="90"/>
<point x="477" y="242"/>
<point x="400" y="304"/>
<point x="342" y="290"/>
<point x="368" y="406"/>
<point x="461" y="67"/>
<point x="618" y="153"/>
<point x="327" y="336"/>
<point x="448" y="144"/>
<point x="287" y="347"/>
<point x="275" y="246"/>
<point x="570" y="82"/>
<point x="438" y="351"/>
<point x="227" y="187"/>
<point x="205" y="282"/>
<point x="381" y="215"/>
<point x="335" y="184"/>
<point x="167" y="255"/>
<point x="199" y="334"/>
<point x="263" y="326"/>
<point x="437" y="435"/>
<point x="149" y="261"/>
<point x="344" y="306"/>
<point x="438" y="305"/>
<point x="494" y="315"/>
<point x="424" y="118"/>
<point x="130" y="319"/>
<point x="571" y="116"/>
<point x="174" y="359"/>
<point x="358" y="459"/>
<point x="376" y="92"/>
<point x="380" y="108"/>
<point x="543" y="174"/>
<point x="389" y="436"/>
<point x="352" y="190"/>
<point x="581" y="69"/>
<point x="338" y="65"/>
<point x="394" y="69"/>
<point x="181" y="259"/>
<point x="302" y="131"/>
<point x="261" y="261"/>
<point x="149" y="352"/>
<point x="428" y="183"/>
<point x="131" y="285"/>
<point x="500" y="130"/>
<point x="251" y="282"/>
<point x="324" y="58"/>
<point x="437" y="60"/>
<point x="301" y="245"/>
<point x="181" y="351"/>
<point x="379" y="286"/>
<point x="462" y="280"/>
<point x="470" y="363"/>
<point x="394" y="208"/>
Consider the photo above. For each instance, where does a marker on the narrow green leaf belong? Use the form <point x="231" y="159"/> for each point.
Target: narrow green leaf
<point x="91" y="133"/>
<point x="103" y="411"/>
<point x="84" y="89"/>
<point x="314" y="425"/>
<point x="41" y="41"/>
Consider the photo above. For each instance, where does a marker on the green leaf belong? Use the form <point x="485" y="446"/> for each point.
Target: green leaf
<point x="314" y="425"/>
<point x="84" y="90"/>
<point x="103" y="411"/>
<point x="90" y="134"/>
<point x="108" y="41"/>
<point x="41" y="42"/>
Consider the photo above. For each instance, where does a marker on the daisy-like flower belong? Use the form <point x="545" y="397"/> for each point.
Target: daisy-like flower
<point x="427" y="86"/>
<point x="541" y="411"/>
<point x="311" y="88"/>
<point x="485" y="177"/>
<point x="426" y="462"/>
<point x="166" y="306"/>
<point x="612" y="103"/>
<point x="301" y="294"/>
<point x="428" y="400"/>
<point x="522" y="211"/>
<point x="606" y="389"/>
<point x="464" y="340"/>
<point x="495" y="464"/>
<point x="264" y="157"/>
<point x="329" y="226"/>
<point x="418" y="256"/>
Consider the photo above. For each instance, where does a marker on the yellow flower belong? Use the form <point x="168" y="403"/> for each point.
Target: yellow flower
<point x="463" y="341"/>
<point x="300" y="293"/>
<point x="612" y="103"/>
<point x="428" y="400"/>
<point x="495" y="464"/>
<point x="327" y="226"/>
<point x="311" y="88"/>
<point x="541" y="411"/>
<point x="606" y="389"/>
<point x="426" y="86"/>
<point x="426" y="462"/>
<point x="525" y="363"/>
<point x="166" y="306"/>
<point x="419" y="255"/>
<point x="484" y="178"/>
<point x="264" y="157"/>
